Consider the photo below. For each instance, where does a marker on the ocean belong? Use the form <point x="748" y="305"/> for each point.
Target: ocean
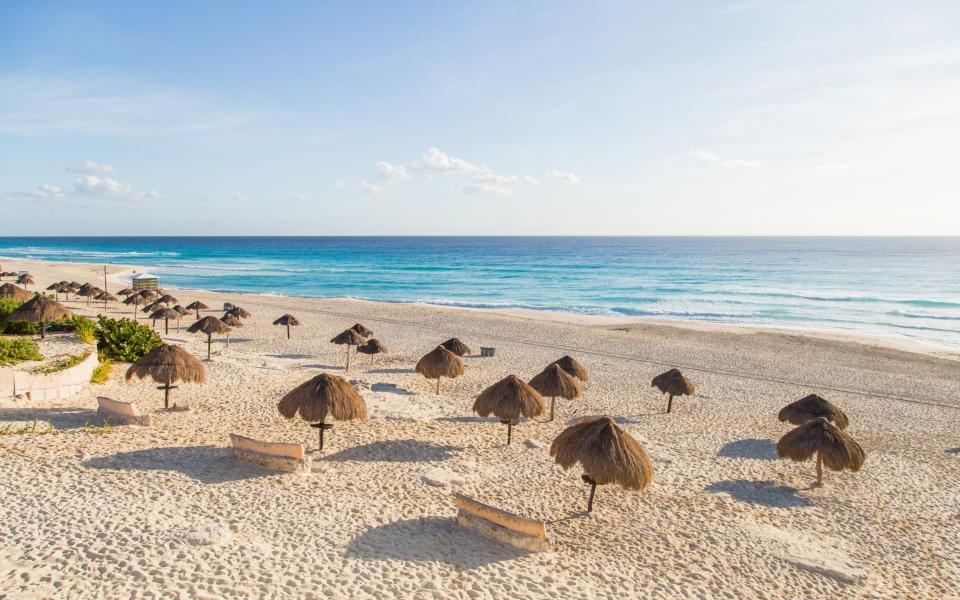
<point x="907" y="288"/>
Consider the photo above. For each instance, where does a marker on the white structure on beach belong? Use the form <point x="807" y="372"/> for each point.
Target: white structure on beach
<point x="145" y="281"/>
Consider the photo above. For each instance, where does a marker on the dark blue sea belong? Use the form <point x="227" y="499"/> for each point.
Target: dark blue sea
<point x="899" y="287"/>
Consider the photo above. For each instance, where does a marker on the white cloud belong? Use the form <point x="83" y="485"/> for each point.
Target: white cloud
<point x="370" y="188"/>
<point x="483" y="188"/>
<point x="339" y="185"/>
<point x="90" y="166"/>
<point x="43" y="192"/>
<point x="730" y="163"/>
<point x="107" y="187"/>
<point x="438" y="161"/>
<point x="392" y="173"/>
<point x="241" y="198"/>
<point x="564" y="176"/>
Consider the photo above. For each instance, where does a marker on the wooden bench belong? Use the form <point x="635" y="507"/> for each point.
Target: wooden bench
<point x="282" y="456"/>
<point x="117" y="412"/>
<point x="503" y="526"/>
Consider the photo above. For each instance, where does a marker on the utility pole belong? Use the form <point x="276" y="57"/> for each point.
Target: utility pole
<point x="105" y="278"/>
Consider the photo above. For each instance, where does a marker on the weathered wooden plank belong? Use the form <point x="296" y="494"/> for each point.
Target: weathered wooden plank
<point x="500" y="517"/>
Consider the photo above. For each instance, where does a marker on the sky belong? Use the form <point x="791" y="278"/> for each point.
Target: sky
<point x="480" y="118"/>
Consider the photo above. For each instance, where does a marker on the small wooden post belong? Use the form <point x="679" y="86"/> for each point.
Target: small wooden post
<point x="670" y="404"/>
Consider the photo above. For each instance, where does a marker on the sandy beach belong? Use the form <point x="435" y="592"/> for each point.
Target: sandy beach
<point x="165" y="511"/>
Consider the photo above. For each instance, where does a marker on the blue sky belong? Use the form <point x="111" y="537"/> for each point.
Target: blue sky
<point x="627" y="118"/>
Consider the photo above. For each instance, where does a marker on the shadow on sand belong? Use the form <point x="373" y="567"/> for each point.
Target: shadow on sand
<point x="206" y="464"/>
<point x="396" y="451"/>
<point x="289" y="356"/>
<point x="391" y="370"/>
<point x="60" y="418"/>
<point x="750" y="448"/>
<point x="760" y="493"/>
<point x="429" y="539"/>
<point x="953" y="450"/>
<point x="467" y="419"/>
<point x="390" y="388"/>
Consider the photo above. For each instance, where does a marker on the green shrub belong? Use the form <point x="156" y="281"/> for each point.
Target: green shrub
<point x="17" y="350"/>
<point x="62" y="364"/>
<point x="124" y="340"/>
<point x="84" y="328"/>
<point x="7" y="306"/>
<point x="102" y="373"/>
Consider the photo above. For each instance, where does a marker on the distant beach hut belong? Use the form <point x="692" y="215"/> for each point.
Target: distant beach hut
<point x="239" y="313"/>
<point x="362" y="330"/>
<point x="209" y="326"/>
<point x="813" y="407"/>
<point x="323" y="396"/>
<point x="832" y="446"/>
<point x="166" y="365"/>
<point x="508" y="400"/>
<point x="25" y="280"/>
<point x="8" y="290"/>
<point x="348" y="338"/>
<point x="571" y="366"/>
<point x="457" y="347"/>
<point x="166" y="314"/>
<point x="289" y="321"/>
<point x="144" y="281"/>
<point x="197" y="306"/>
<point x="438" y="363"/>
<point x="40" y="309"/>
<point x="607" y="454"/>
<point x="674" y="383"/>
<point x="230" y="321"/>
<point x="554" y="381"/>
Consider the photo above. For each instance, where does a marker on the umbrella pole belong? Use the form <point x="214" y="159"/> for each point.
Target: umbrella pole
<point x="321" y="428"/>
<point x="819" y="469"/>
<point x="553" y="401"/>
<point x="670" y="404"/>
<point x="593" y="490"/>
<point x="166" y="395"/>
<point x="209" y="335"/>
<point x="438" y="386"/>
<point x="509" y="432"/>
<point x="228" y="340"/>
<point x="42" y="328"/>
<point x="166" y="326"/>
<point x="288" y="331"/>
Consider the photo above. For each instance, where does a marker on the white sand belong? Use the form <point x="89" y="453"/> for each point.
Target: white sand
<point x="166" y="512"/>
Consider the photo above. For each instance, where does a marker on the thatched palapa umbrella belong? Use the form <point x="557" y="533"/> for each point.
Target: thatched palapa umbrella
<point x="209" y="326"/>
<point x="106" y="297"/>
<point x="56" y="288"/>
<point x="507" y="400"/>
<point x="166" y="365"/>
<point x="25" y="280"/>
<point x="125" y="292"/>
<point x="134" y="300"/>
<point x="571" y="366"/>
<point x="324" y="396"/>
<point x="231" y="321"/>
<point x="166" y="314"/>
<point x="348" y="338"/>
<point x="457" y="347"/>
<point x="168" y="299"/>
<point x="289" y="321"/>
<point x="812" y="407"/>
<point x="438" y="363"/>
<point x="554" y="381"/>
<point x="183" y="311"/>
<point x="833" y="447"/>
<point x="87" y="291"/>
<point x="197" y="306"/>
<point x="39" y="309"/>
<point x="239" y="313"/>
<point x="8" y="290"/>
<point x="373" y="346"/>
<point x="607" y="453"/>
<point x="363" y="330"/>
<point x="674" y="383"/>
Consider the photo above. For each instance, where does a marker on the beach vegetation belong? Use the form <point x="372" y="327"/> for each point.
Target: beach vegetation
<point x="84" y="328"/>
<point x="7" y="306"/>
<point x="9" y="429"/>
<point x="102" y="372"/>
<point x="17" y="350"/>
<point x="124" y="340"/>
<point x="99" y="429"/>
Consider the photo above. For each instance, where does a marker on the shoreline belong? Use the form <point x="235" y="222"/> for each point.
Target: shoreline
<point x="117" y="272"/>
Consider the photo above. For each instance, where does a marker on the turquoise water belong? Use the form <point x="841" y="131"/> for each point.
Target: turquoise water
<point x="901" y="287"/>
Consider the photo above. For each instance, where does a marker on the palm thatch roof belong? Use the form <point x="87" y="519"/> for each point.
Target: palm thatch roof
<point x="811" y="407"/>
<point x="147" y="294"/>
<point x="837" y="448"/>
<point x="125" y="292"/>
<point x="39" y="309"/>
<point x="373" y="346"/>
<point x="608" y="453"/>
<point x="106" y="297"/>
<point x="440" y="362"/>
<point x="571" y="366"/>
<point x="155" y="305"/>
<point x="231" y="320"/>
<point x="348" y="337"/>
<point x="168" y="299"/>
<point x="287" y="320"/>
<point x="75" y="285"/>
<point x="239" y="312"/>
<point x="8" y="290"/>
<point x="362" y="330"/>
<point x="134" y="299"/>
<point x="168" y="364"/>
<point x="197" y="305"/>
<point x="209" y="325"/>
<point x="508" y="400"/>
<point x="54" y="287"/>
<point x="165" y="313"/>
<point x="556" y="382"/>
<point x="25" y="279"/>
<point x="457" y="347"/>
<point x="180" y="309"/>
<point x="324" y="395"/>
<point x="87" y="290"/>
<point x="673" y="382"/>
